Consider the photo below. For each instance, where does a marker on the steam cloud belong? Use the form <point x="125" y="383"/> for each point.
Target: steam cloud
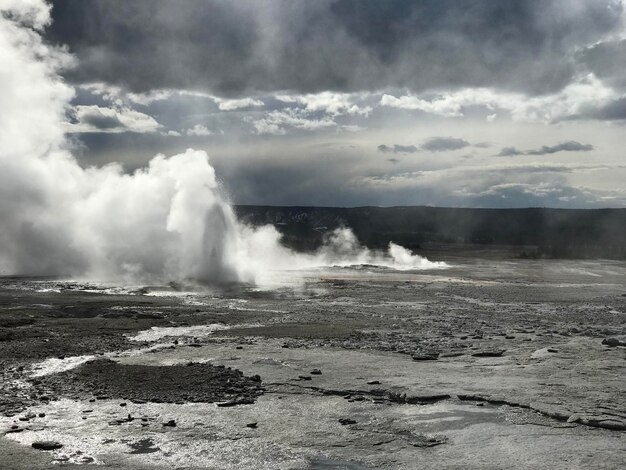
<point x="167" y="221"/>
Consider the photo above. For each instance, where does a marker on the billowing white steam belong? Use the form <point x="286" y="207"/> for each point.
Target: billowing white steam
<point x="167" y="221"/>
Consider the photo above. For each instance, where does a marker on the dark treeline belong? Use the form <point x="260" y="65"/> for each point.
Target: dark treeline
<point x="539" y="232"/>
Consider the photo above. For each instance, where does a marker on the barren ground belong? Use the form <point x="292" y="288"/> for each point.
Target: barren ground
<point x="492" y="363"/>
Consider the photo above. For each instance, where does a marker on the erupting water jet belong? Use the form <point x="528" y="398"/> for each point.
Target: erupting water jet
<point x="167" y="221"/>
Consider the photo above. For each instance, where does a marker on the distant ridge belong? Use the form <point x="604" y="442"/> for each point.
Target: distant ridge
<point x="539" y="232"/>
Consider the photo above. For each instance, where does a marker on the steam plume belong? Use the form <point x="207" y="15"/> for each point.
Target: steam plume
<point x="166" y="221"/>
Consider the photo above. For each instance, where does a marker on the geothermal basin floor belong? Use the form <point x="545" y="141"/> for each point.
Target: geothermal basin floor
<point x="488" y="364"/>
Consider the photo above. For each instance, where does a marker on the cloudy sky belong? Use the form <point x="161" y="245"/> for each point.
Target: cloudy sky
<point x="474" y="103"/>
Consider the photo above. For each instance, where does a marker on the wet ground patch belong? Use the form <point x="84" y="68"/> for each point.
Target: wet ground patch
<point x="192" y="382"/>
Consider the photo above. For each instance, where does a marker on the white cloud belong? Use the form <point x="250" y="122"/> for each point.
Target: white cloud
<point x="572" y="100"/>
<point x="199" y="130"/>
<point x="32" y="12"/>
<point x="446" y="105"/>
<point x="353" y="128"/>
<point x="119" y="97"/>
<point x="111" y="120"/>
<point x="234" y="104"/>
<point x="264" y="126"/>
<point x="150" y="97"/>
<point x="109" y="93"/>
<point x="477" y="173"/>
<point x="312" y="112"/>
<point x="276" y="122"/>
<point x="334" y="104"/>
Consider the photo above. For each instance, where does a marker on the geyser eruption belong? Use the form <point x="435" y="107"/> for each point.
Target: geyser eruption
<point x="167" y="221"/>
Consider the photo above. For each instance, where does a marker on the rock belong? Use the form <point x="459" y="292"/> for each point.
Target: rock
<point x="552" y="350"/>
<point x="119" y="421"/>
<point x="235" y="402"/>
<point x="46" y="445"/>
<point x="574" y="418"/>
<point x="492" y="353"/>
<point x="346" y="421"/>
<point x="42" y="415"/>
<point x="122" y="404"/>
<point x="316" y="372"/>
<point x="373" y="382"/>
<point x="426" y="357"/>
<point x="35" y="428"/>
<point x="429" y="441"/>
<point x="611" y="424"/>
<point x="425" y="399"/>
<point x="396" y="397"/>
<point x="451" y="354"/>
<point x="613" y="342"/>
<point x="252" y="425"/>
<point x="304" y="377"/>
<point x="170" y="424"/>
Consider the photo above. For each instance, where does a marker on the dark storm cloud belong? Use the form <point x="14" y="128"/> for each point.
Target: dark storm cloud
<point x="100" y="121"/>
<point x="434" y="144"/>
<point x="616" y="110"/>
<point x="442" y="144"/>
<point x="311" y="185"/>
<point x="607" y="60"/>
<point x="509" y="152"/>
<point x="245" y="47"/>
<point x="569" y="146"/>
<point x="613" y="111"/>
<point x="404" y="148"/>
<point x="397" y="148"/>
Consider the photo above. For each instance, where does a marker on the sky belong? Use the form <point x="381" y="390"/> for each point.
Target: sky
<point x="462" y="103"/>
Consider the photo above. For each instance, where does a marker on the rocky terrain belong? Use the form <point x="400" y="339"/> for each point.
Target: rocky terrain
<point x="488" y="364"/>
